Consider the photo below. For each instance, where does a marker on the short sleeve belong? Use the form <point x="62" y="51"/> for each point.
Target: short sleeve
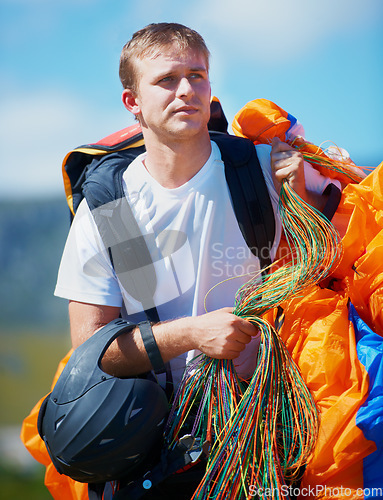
<point x="85" y="272"/>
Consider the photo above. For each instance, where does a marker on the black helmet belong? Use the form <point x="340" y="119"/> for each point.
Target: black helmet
<point x="98" y="427"/>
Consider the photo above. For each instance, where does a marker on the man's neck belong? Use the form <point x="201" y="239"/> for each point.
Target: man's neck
<point x="174" y="163"/>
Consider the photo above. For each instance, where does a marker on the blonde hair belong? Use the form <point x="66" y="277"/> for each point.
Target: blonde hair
<point x="147" y="41"/>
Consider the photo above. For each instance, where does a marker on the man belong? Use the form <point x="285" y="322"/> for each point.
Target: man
<point x="165" y="72"/>
<point x="177" y="187"/>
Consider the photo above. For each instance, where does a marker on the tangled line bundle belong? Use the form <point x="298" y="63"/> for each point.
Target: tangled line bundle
<point x="260" y="431"/>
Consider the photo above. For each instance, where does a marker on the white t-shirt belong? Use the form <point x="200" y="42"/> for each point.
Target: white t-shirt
<point x="195" y="243"/>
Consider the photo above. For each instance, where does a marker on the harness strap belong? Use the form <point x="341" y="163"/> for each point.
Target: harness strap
<point x="333" y="200"/>
<point x="131" y="260"/>
<point x="249" y="195"/>
<point x="187" y="451"/>
<point x="95" y="491"/>
<point x="151" y="347"/>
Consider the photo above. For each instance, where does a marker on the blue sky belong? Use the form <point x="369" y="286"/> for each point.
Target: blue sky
<point x="322" y="61"/>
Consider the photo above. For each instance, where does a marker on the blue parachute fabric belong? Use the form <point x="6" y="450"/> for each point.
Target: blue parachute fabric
<point x="369" y="419"/>
<point x="292" y="119"/>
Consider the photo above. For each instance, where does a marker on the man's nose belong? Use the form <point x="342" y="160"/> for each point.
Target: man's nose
<point x="185" y="88"/>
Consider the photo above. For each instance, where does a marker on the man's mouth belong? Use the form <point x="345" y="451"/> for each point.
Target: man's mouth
<point x="188" y="110"/>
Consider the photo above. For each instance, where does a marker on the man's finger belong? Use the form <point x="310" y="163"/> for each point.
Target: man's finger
<point x="277" y="145"/>
<point x="248" y="327"/>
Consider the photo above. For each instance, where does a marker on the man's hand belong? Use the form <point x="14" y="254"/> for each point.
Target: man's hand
<point x="287" y="163"/>
<point x="221" y="334"/>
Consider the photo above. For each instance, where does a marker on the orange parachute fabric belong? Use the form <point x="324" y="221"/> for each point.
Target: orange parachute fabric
<point x="317" y="330"/>
<point x="61" y="487"/>
<point x="362" y="265"/>
<point x="359" y="217"/>
<point x="321" y="340"/>
<point x="261" y="120"/>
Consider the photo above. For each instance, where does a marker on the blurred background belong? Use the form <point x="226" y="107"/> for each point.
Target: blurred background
<point x="59" y="88"/>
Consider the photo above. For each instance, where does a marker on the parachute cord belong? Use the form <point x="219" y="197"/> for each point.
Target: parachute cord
<point x="263" y="430"/>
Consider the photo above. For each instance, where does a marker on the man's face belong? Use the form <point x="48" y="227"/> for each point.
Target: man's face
<point x="173" y="95"/>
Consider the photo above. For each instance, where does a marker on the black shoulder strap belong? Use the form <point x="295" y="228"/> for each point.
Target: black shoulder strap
<point x="127" y="246"/>
<point x="119" y="230"/>
<point x="334" y="196"/>
<point x="249" y="194"/>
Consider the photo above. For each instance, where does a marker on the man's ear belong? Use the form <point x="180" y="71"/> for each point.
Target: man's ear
<point x="130" y="101"/>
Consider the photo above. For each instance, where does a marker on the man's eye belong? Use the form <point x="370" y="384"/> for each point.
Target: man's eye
<point x="165" y="79"/>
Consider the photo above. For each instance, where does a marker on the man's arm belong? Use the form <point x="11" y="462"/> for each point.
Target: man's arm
<point x="219" y="334"/>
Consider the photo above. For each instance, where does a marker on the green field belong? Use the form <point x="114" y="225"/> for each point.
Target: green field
<point x="19" y="485"/>
<point x="28" y="362"/>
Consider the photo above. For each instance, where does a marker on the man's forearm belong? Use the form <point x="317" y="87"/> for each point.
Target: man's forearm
<point x="127" y="355"/>
<point x="219" y="334"/>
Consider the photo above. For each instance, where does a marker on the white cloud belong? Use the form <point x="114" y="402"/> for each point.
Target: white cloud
<point x="279" y="29"/>
<point x="36" y="133"/>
